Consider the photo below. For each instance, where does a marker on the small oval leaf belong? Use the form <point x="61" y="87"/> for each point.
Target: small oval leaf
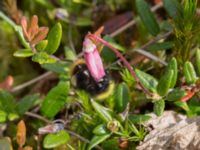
<point x="159" y="107"/>
<point x="55" y="140"/>
<point x="100" y="130"/>
<point x="173" y="66"/>
<point x="138" y="118"/>
<point x="176" y="95"/>
<point x="2" y="116"/>
<point x="54" y="38"/>
<point x="198" y="60"/>
<point x="103" y="112"/>
<point x="23" y="53"/>
<point x="55" y="100"/>
<point x="121" y="97"/>
<point x="147" y="80"/>
<point x="43" y="58"/>
<point x="189" y="73"/>
<point x="165" y="82"/>
<point x="41" y="45"/>
<point x="147" y="17"/>
<point x="98" y="139"/>
<point x="171" y="7"/>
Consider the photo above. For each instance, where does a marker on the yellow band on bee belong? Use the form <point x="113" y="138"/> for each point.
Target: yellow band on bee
<point x="107" y="92"/>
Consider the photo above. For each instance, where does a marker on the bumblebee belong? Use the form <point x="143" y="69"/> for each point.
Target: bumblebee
<point x="82" y="79"/>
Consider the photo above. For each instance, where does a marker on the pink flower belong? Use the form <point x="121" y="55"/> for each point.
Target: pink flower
<point x="93" y="59"/>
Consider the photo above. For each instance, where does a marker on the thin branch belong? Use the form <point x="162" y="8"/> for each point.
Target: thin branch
<point x="16" y="27"/>
<point x="133" y="22"/>
<point x="156" y="39"/>
<point x="30" y="114"/>
<point x="150" y="56"/>
<point x="28" y="83"/>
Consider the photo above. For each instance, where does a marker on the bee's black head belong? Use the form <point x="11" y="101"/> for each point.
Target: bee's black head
<point x="83" y="80"/>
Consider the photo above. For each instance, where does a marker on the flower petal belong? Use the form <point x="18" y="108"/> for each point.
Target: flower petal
<point x="93" y="60"/>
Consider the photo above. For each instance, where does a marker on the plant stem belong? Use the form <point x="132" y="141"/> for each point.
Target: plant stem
<point x="129" y="67"/>
<point x="24" y="85"/>
<point x="16" y="27"/>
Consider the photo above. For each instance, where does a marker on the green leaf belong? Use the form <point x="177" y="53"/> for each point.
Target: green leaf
<point x="7" y="102"/>
<point x="121" y="97"/>
<point x="100" y="130"/>
<point x="171" y="7"/>
<point x="176" y="95"/>
<point x="165" y="82"/>
<point x="41" y="45"/>
<point x="139" y="118"/>
<point x="43" y="58"/>
<point x="173" y="66"/>
<point x="54" y="38"/>
<point x="147" y="17"/>
<point x="5" y="144"/>
<point x="12" y="116"/>
<point x="58" y="67"/>
<point x="70" y="54"/>
<point x="98" y="139"/>
<point x="159" y="107"/>
<point x="23" y="53"/>
<point x="147" y="80"/>
<point x="103" y="112"/>
<point x="55" y="100"/>
<point x="111" y="144"/>
<point x="161" y="46"/>
<point x="3" y="116"/>
<point x="55" y="140"/>
<point x="197" y="54"/>
<point x="183" y="105"/>
<point x="189" y="73"/>
<point x="26" y="103"/>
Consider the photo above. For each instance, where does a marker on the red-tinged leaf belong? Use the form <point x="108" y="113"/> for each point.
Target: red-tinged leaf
<point x="33" y="27"/>
<point x="21" y="134"/>
<point x="24" y="26"/>
<point x="41" y="35"/>
<point x="187" y="97"/>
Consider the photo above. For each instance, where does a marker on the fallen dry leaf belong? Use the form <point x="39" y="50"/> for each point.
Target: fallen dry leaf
<point x="172" y="131"/>
<point x="21" y="134"/>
